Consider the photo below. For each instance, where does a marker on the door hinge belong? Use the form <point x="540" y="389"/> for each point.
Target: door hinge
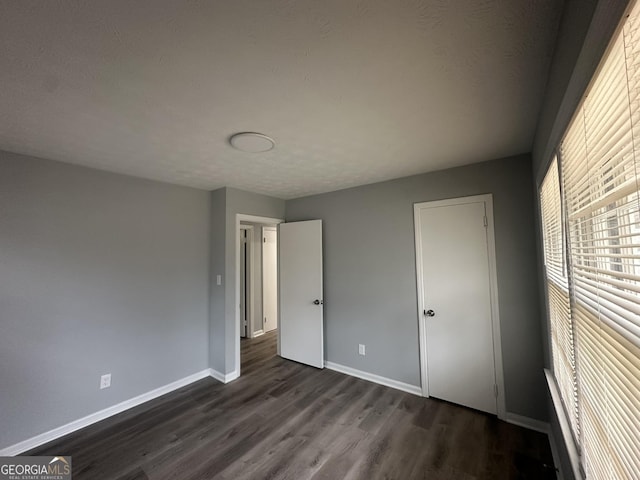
<point x="495" y="390"/>
<point x="486" y="222"/>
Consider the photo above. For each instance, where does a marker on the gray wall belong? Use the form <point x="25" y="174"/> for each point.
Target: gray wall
<point x="98" y="273"/>
<point x="370" y="280"/>
<point x="223" y="261"/>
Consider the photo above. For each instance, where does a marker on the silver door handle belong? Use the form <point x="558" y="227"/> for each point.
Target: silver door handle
<point x="430" y="313"/>
<point x="318" y="302"/>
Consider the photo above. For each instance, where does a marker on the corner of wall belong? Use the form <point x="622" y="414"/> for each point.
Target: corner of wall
<point x="216" y="296"/>
<point x="227" y="203"/>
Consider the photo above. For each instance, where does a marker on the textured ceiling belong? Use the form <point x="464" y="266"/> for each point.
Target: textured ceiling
<point x="353" y="92"/>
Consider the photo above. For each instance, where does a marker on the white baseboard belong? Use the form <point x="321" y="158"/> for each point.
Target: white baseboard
<point x="224" y="377"/>
<point x="58" y="432"/>
<point x="387" y="382"/>
<point x="217" y="375"/>
<point x="526" y="422"/>
<point x="257" y="333"/>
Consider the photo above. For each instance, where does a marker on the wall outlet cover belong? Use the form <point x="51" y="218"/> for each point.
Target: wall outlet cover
<point x="362" y="349"/>
<point x="105" y="381"/>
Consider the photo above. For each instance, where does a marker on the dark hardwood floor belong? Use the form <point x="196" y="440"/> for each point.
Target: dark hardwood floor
<point x="283" y="420"/>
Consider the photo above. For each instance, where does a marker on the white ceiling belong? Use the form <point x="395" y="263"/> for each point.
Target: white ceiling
<point x="353" y="92"/>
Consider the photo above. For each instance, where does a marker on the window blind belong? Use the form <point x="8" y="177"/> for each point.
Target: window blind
<point x="552" y="229"/>
<point x="599" y="158"/>
<point x="560" y="321"/>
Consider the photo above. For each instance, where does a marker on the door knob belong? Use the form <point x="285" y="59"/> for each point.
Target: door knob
<point x="430" y="313"/>
<point x="318" y="302"/>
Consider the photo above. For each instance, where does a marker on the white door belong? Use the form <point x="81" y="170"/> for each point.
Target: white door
<point x="301" y="304"/>
<point x="269" y="278"/>
<point x="454" y="263"/>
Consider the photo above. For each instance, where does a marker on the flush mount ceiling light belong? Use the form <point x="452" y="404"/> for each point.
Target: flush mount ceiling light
<point x="251" y="142"/>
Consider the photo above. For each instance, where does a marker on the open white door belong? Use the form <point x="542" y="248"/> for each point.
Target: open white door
<point x="301" y="304"/>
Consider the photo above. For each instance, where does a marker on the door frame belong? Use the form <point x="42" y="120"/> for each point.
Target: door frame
<point x="493" y="286"/>
<point x="241" y="217"/>
<point x="273" y="229"/>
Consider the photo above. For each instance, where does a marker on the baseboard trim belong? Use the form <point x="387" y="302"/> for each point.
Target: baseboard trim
<point x="224" y="377"/>
<point x="258" y="333"/>
<point x="70" y="427"/>
<point x="217" y="375"/>
<point x="387" y="382"/>
<point x="526" y="422"/>
<point x="230" y="377"/>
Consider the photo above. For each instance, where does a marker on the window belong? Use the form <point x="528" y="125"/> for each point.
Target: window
<point x="594" y="304"/>
<point x="562" y="341"/>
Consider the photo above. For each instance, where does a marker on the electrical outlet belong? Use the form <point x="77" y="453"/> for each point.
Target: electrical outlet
<point x="218" y="279"/>
<point x="105" y="381"/>
<point x="362" y="349"/>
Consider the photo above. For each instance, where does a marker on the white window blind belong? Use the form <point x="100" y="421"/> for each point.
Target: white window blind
<point x="552" y="229"/>
<point x="560" y="321"/>
<point x="599" y="158"/>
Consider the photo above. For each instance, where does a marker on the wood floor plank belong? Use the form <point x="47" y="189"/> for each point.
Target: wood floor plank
<point x="283" y="420"/>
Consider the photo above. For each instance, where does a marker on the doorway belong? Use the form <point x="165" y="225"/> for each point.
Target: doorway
<point x="250" y="287"/>
<point x="459" y="327"/>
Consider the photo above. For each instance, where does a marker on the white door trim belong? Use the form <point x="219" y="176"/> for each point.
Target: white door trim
<point x="493" y="284"/>
<point x="241" y="217"/>
<point x="272" y="229"/>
